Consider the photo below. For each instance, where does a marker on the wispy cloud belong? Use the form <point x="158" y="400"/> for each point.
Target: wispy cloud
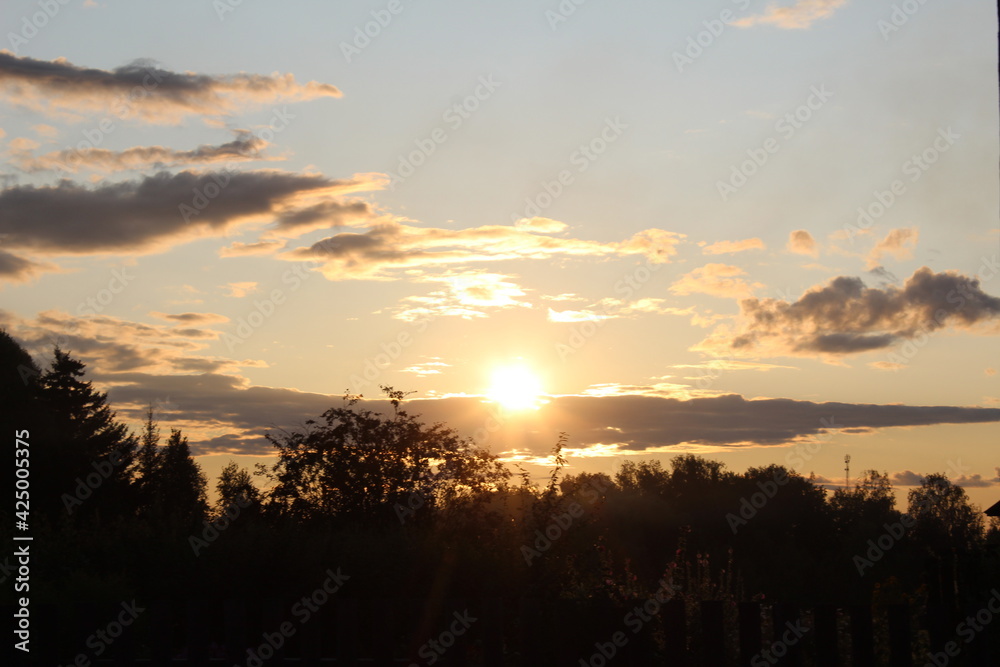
<point x="239" y="249"/>
<point x="427" y="368"/>
<point x="798" y="16"/>
<point x="245" y="147"/>
<point x="240" y="290"/>
<point x="191" y="318"/>
<point x="732" y="247"/>
<point x="391" y="245"/>
<point x="465" y="294"/>
<point x="899" y="243"/>
<point x="721" y="280"/>
<point x="733" y="365"/>
<point x="611" y="308"/>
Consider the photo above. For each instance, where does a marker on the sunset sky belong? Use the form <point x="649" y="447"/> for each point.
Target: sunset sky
<point x="766" y="232"/>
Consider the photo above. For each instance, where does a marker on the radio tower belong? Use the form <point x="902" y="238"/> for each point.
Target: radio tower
<point x="847" y="471"/>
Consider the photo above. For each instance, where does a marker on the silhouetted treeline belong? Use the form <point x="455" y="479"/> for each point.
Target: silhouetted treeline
<point x="409" y="510"/>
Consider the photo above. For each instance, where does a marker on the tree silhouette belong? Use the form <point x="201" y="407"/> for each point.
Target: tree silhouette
<point x="81" y="438"/>
<point x="235" y="486"/>
<point x="359" y="463"/>
<point x="950" y="531"/>
<point x="18" y="378"/>
<point x="871" y="501"/>
<point x="180" y="483"/>
<point x="147" y="464"/>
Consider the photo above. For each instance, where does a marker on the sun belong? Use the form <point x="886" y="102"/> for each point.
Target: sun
<point x="515" y="388"/>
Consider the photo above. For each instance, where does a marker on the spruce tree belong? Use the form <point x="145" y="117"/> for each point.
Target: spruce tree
<point x="86" y="455"/>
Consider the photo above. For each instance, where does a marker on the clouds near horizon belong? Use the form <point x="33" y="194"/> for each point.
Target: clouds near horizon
<point x="615" y="423"/>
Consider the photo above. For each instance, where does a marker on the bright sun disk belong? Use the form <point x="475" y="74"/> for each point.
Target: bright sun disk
<point x="515" y="388"/>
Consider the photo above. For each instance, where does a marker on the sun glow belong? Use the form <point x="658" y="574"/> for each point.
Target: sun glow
<point x="515" y="388"/>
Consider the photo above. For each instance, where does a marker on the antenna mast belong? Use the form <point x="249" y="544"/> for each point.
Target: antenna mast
<point x="847" y="471"/>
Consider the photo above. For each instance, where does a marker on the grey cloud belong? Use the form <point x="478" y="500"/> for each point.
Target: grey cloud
<point x="70" y="218"/>
<point x="15" y="268"/>
<point x="143" y="89"/>
<point x="846" y="317"/>
<point x="245" y="147"/>
<point x="633" y="422"/>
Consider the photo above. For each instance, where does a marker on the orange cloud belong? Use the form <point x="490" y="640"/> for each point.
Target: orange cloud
<point x="721" y="280"/>
<point x="799" y="16"/>
<point x="391" y="245"/>
<point x="899" y="243"/>
<point x="732" y="247"/>
<point x="802" y="242"/>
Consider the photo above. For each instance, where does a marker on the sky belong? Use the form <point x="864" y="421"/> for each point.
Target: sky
<point x="765" y="232"/>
